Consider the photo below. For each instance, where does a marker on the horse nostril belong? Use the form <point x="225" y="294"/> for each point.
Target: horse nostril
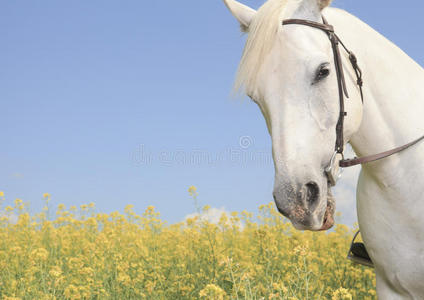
<point x="312" y="193"/>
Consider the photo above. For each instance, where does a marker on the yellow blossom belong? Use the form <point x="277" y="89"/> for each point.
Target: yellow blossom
<point x="129" y="208"/>
<point x="87" y="255"/>
<point x="301" y="250"/>
<point x="192" y="190"/>
<point x="72" y="292"/>
<point x="213" y="292"/>
<point x="40" y="254"/>
<point x="341" y="294"/>
<point x="55" y="271"/>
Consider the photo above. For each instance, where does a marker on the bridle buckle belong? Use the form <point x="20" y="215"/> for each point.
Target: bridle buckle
<point x="334" y="171"/>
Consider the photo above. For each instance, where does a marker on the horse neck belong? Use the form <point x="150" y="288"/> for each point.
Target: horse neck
<point x="393" y="112"/>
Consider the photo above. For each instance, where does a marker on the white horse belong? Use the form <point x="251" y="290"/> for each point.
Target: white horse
<point x="289" y="71"/>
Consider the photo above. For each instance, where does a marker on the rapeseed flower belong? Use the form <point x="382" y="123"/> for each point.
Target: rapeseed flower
<point x="83" y="255"/>
<point x="192" y="190"/>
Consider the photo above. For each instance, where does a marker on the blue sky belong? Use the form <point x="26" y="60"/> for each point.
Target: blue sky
<point x="127" y="102"/>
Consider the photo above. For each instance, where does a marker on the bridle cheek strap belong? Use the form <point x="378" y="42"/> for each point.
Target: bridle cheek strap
<point x="341" y="82"/>
<point x="335" y="41"/>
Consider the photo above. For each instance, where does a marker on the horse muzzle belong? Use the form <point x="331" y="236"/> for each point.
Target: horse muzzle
<point x="305" y="206"/>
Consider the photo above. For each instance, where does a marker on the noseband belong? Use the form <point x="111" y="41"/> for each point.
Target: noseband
<point x="337" y="161"/>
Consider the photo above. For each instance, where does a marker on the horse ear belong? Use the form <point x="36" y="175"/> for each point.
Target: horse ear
<point x="242" y="13"/>
<point x="324" y="3"/>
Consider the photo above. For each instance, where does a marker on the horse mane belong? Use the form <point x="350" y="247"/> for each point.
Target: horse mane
<point x="261" y="37"/>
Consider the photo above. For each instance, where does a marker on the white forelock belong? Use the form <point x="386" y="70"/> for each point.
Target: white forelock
<point x="261" y="37"/>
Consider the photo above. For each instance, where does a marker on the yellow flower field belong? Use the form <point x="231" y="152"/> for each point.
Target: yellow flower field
<point x="81" y="254"/>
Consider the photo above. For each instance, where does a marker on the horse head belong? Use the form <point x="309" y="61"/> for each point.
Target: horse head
<point x="290" y="73"/>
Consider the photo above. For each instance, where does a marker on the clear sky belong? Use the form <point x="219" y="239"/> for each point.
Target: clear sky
<point x="127" y="102"/>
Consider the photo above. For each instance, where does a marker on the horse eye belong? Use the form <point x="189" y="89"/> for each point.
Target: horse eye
<point x="323" y="71"/>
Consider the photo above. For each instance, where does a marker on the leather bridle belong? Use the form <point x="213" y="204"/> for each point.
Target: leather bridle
<point x="337" y="161"/>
